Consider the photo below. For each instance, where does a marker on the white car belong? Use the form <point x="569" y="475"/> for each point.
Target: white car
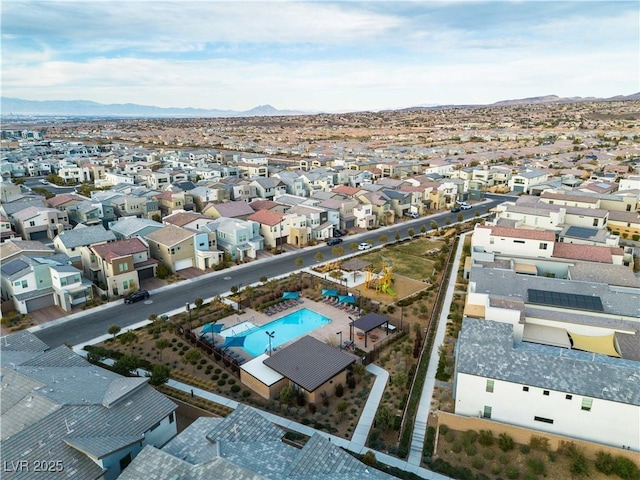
<point x="364" y="246"/>
<point x="465" y="206"/>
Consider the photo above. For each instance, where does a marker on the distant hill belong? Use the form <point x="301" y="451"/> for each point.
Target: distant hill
<point x="84" y="108"/>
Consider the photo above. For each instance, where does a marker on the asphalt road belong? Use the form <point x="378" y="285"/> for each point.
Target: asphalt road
<point x="95" y="323"/>
<point x="35" y="182"/>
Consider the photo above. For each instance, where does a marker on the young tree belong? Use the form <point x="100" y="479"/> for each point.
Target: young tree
<point x="384" y="238"/>
<point x="460" y="217"/>
<point x="434" y="225"/>
<point x="299" y="262"/>
<point x="384" y="417"/>
<point x="423" y="229"/>
<point x="319" y="257"/>
<point x="191" y="357"/>
<point x="128" y="338"/>
<point x="126" y="364"/>
<point x="411" y="232"/>
<point x="198" y="303"/>
<point x="159" y="374"/>
<point x="162" y="344"/>
<point x="113" y="331"/>
<point x="337" y="251"/>
<point x="342" y="409"/>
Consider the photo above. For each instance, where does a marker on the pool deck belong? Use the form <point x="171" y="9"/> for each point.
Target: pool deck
<point x="329" y="333"/>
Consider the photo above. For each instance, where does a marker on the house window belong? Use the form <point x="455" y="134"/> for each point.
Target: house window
<point x="171" y="418"/>
<point x="489" y="387"/>
<point x="543" y="246"/>
<point x="125" y="285"/>
<point x="518" y="241"/>
<point x="32" y="223"/>
<point x="123" y="267"/>
<point x="543" y="420"/>
<point x="525" y="389"/>
<point x="586" y="404"/>
<point x="487" y="411"/>
<point x="568" y="397"/>
<point x="595" y="222"/>
<point x="24" y="284"/>
<point x="125" y="461"/>
<point x="545" y="393"/>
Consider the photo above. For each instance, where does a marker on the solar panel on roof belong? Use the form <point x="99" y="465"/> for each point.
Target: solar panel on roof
<point x="565" y="300"/>
<point x="14" y="267"/>
<point x="581" y="232"/>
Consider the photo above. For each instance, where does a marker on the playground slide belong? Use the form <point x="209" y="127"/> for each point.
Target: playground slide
<point x="387" y="289"/>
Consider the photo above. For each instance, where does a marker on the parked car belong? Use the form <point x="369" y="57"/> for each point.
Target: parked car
<point x="337" y="232"/>
<point x="411" y="214"/>
<point x="364" y="246"/>
<point x="137" y="296"/>
<point x="465" y="206"/>
<point x="44" y="182"/>
<point x="334" y="241"/>
<point x="455" y="209"/>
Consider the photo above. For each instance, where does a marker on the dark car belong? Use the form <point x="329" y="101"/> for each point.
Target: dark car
<point x="339" y="232"/>
<point x="334" y="241"/>
<point x="455" y="209"/>
<point x="137" y="296"/>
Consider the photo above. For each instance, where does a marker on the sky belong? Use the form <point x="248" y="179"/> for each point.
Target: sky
<point x="317" y="56"/>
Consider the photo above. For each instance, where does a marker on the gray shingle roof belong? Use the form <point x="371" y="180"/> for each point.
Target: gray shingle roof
<point x="22" y="341"/>
<point x="309" y="363"/>
<point x="80" y="237"/>
<point x="487" y="349"/>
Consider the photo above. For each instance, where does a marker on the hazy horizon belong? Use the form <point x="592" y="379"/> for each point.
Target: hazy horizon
<point x="317" y="56"/>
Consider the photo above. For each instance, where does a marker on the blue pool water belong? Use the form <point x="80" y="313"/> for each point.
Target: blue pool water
<point x="286" y="328"/>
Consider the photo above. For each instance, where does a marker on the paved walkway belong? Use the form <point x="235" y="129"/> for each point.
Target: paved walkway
<point x="424" y="405"/>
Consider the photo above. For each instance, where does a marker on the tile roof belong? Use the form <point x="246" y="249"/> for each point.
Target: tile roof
<point x="542" y="235"/>
<point x="170" y="235"/>
<point x="120" y="248"/>
<point x="180" y="219"/>
<point x="65" y="198"/>
<point x="486" y="349"/>
<point x="263" y="205"/>
<point x="575" y="251"/>
<point x="309" y="362"/>
<point x="245" y="445"/>
<point x="81" y="237"/>
<point x="53" y="407"/>
<point x="267" y="217"/>
<point x="233" y="209"/>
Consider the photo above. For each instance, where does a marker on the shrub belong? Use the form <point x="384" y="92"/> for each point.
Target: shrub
<point x="456" y="447"/>
<point x="231" y="381"/>
<point x="505" y="442"/>
<point x="217" y="370"/>
<point x="469" y="437"/>
<point x="539" y="443"/>
<point x="246" y="393"/>
<point x="579" y="465"/>
<point x="222" y="382"/>
<point x="339" y="390"/>
<point x="477" y="463"/>
<point x="552" y="456"/>
<point x="444" y="429"/>
<point x="495" y="469"/>
<point x="537" y="466"/>
<point x="525" y="449"/>
<point x="450" y="436"/>
<point x="485" y="438"/>
<point x="488" y="454"/>
<point x="470" y="450"/>
<point x="235" y="388"/>
<point x="626" y="469"/>
<point x="512" y="472"/>
<point x="503" y="458"/>
<point x="369" y="458"/>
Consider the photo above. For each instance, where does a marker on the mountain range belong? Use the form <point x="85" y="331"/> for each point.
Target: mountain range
<point x="84" y="108"/>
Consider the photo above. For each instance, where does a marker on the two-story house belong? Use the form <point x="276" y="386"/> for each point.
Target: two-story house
<point x="35" y="223"/>
<point x="240" y="239"/>
<point x="117" y="268"/>
<point x="174" y="246"/>
<point x="70" y="242"/>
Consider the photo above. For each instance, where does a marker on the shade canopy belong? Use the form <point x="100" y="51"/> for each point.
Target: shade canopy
<point x="212" y="328"/>
<point x="329" y="293"/>
<point x="370" y="321"/>
<point x="290" y="295"/>
<point x="604" y="345"/>
<point x="237" y="341"/>
<point x="347" y="299"/>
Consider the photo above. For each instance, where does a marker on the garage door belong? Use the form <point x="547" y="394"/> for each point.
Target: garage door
<point x="145" y="273"/>
<point x="40" y="302"/>
<point x="182" y="264"/>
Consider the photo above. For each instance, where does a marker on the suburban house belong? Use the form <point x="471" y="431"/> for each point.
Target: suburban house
<point x="14" y="247"/>
<point x="129" y="227"/>
<point x="550" y="388"/>
<point x="269" y="188"/>
<point x="70" y="242"/>
<point x="318" y="220"/>
<point x="235" y="209"/>
<point x="240" y="239"/>
<point x="184" y="219"/>
<point x="6" y="232"/>
<point x="173" y="246"/>
<point x="344" y="207"/>
<point x="169" y="202"/>
<point x="274" y="227"/>
<point x="36" y="223"/>
<point x="117" y="268"/>
<point x="87" y="421"/>
<point x="293" y="181"/>
<point x="522" y="181"/>
<point x="625" y="224"/>
<point x="245" y="446"/>
<point x="38" y="282"/>
<point x="65" y="201"/>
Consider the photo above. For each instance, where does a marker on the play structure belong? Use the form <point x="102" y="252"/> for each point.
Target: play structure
<point x="382" y="281"/>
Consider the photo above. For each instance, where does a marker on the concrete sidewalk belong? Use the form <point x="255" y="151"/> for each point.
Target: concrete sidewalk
<point x="424" y="405"/>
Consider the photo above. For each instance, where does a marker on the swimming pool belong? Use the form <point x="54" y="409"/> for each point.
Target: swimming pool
<point x="285" y="329"/>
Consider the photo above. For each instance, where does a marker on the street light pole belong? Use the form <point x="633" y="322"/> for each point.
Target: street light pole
<point x="188" y="307"/>
<point x="340" y="333"/>
<point x="270" y="335"/>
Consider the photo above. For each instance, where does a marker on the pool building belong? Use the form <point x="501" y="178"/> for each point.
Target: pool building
<point x="310" y="366"/>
